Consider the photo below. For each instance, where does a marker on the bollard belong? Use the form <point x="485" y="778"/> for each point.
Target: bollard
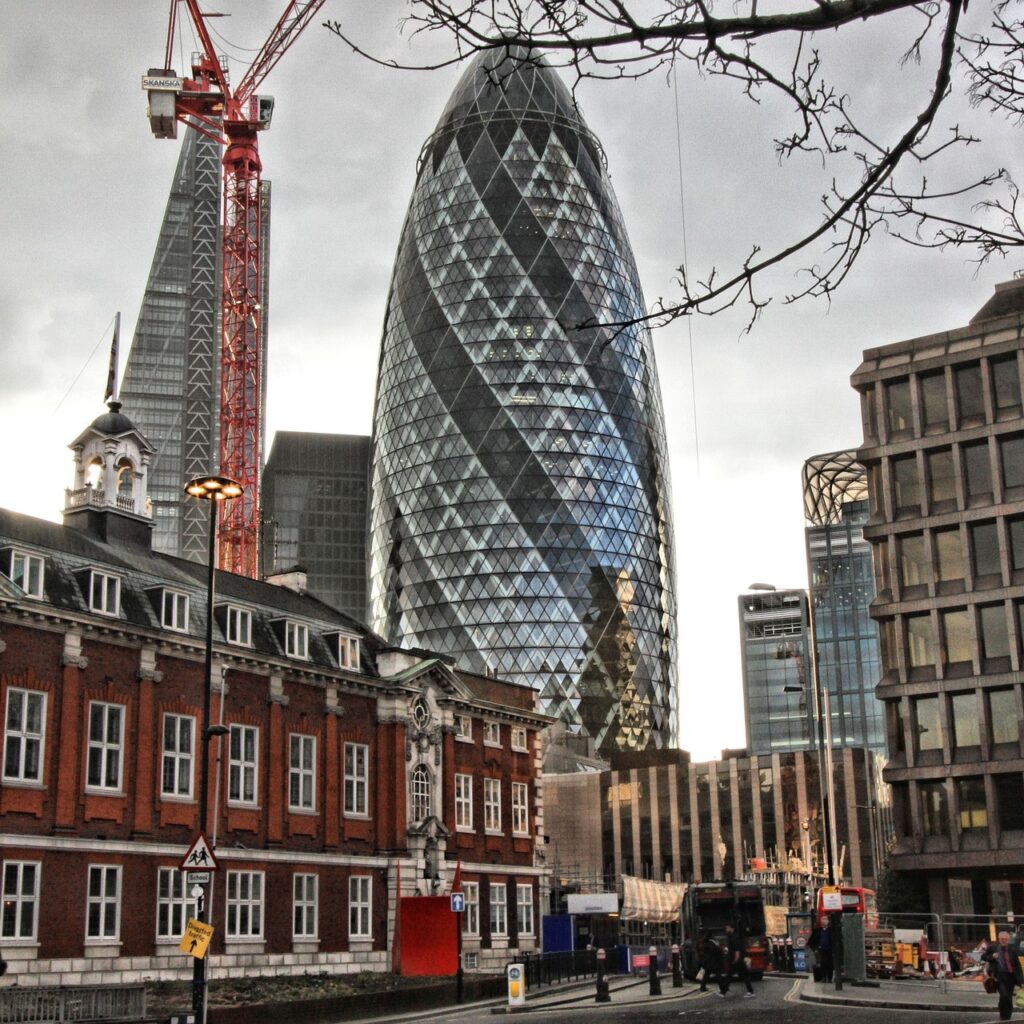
<point x="677" y="967"/>
<point x="602" y="982"/>
<point x="653" y="967"/>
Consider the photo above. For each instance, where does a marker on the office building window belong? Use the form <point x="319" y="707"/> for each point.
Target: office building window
<point x="920" y="641"/>
<point x="520" y="809"/>
<point x="360" y="906"/>
<point x="1005" y="387"/>
<point x="492" y="805"/>
<point x="956" y="627"/>
<point x="970" y="795"/>
<point x="985" y="549"/>
<point x="471" y="915"/>
<point x="1016" y="527"/>
<point x="970" y="400"/>
<point x="906" y="484"/>
<point x="23" y="735"/>
<point x="20" y="899"/>
<point x="1009" y="789"/>
<point x="104" y="593"/>
<point x="245" y="905"/>
<point x="934" y="402"/>
<point x="915" y="566"/>
<point x="176" y="772"/>
<point x="524" y="909"/>
<point x="296" y="639"/>
<point x="103" y="904"/>
<point x="174" y="611"/>
<point x="978" y="471"/>
<point x="949" y="554"/>
<point x="26" y="572"/>
<point x="357" y="780"/>
<point x="174" y="906"/>
<point x="239" y="626"/>
<point x="1002" y="713"/>
<point x="934" y="808"/>
<point x="106" y="736"/>
<point x="499" y="909"/>
<point x="464" y="802"/>
<point x="243" y="764"/>
<point x="941" y="478"/>
<point x="1011" y="458"/>
<point x="421" y="793"/>
<point x="897" y="406"/>
<point x="927" y="723"/>
<point x="966" y="725"/>
<point x="301" y="772"/>
<point x="304" y="891"/>
<point x="995" y="636"/>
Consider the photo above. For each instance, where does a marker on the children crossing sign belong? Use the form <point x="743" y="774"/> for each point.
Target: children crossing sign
<point x="196" y="939"/>
<point x="199" y="857"/>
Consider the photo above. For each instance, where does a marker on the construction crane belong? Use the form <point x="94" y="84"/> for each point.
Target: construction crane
<point x="206" y="103"/>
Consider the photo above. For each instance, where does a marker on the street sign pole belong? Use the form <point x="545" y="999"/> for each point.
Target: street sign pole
<point x="458" y="904"/>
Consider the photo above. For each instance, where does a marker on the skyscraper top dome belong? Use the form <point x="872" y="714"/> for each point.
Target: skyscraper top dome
<point x="520" y="489"/>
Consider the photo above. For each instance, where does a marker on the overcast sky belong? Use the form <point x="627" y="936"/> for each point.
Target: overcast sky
<point x="84" y="189"/>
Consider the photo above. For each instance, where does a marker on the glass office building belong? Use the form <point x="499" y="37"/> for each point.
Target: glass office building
<point x="520" y="492"/>
<point x="314" y="514"/>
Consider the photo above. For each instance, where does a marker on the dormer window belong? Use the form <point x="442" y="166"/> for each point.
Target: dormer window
<point x="25" y="570"/>
<point x="348" y="651"/>
<point x="239" y="626"/>
<point x="104" y="593"/>
<point x="174" y="610"/>
<point x="296" y="639"/>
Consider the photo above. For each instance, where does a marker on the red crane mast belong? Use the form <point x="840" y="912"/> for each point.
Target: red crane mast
<point x="207" y="103"/>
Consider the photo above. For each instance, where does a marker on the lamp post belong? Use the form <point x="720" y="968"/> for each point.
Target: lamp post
<point x="213" y="489"/>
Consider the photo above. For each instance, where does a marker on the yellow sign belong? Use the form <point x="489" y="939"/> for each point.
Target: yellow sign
<point x="196" y="939"/>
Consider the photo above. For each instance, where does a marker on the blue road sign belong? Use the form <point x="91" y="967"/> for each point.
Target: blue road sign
<point x="458" y="902"/>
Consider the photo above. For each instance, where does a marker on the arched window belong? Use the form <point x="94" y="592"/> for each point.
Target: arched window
<point x="125" y="478"/>
<point x="94" y="474"/>
<point x="420" y="792"/>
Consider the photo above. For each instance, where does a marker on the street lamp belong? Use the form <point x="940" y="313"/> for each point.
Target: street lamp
<point x="213" y="489"/>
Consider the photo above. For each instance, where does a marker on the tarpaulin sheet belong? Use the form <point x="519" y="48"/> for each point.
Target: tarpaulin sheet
<point x="646" y="900"/>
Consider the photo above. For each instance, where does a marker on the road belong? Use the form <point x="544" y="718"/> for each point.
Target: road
<point x="775" y="1002"/>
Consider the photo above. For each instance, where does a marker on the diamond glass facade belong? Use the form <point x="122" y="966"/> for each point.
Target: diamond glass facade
<point x="520" y="515"/>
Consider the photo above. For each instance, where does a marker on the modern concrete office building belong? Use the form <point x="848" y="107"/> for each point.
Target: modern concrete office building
<point x="315" y="502"/>
<point x="520" y="483"/>
<point x="944" y="451"/>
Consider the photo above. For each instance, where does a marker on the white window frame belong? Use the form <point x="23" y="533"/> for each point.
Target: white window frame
<point x="348" y="651"/>
<point x="104" y="593"/>
<point x="243" y="771"/>
<point x="296" y="639"/>
<point x="305" y="916"/>
<point x="23" y="741"/>
<point x="243" y="896"/>
<point x="492" y="734"/>
<point x="28" y="571"/>
<point x="524" y="910"/>
<point x="464" y="728"/>
<point x="177" y="756"/>
<point x="301" y="772"/>
<point x="520" y="809"/>
<point x="103" y="899"/>
<point x="492" y="806"/>
<point x="360" y="907"/>
<point x="356" y="786"/>
<point x="103" y="750"/>
<point x="238" y="626"/>
<point x="499" y="909"/>
<point x="20" y="893"/>
<point x="174" y="906"/>
<point x="174" y="610"/>
<point x="464" y="803"/>
<point x="471" y="915"/>
<point x="421" y="793"/>
<point x="520" y="738"/>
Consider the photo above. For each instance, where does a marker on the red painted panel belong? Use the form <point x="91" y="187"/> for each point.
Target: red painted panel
<point x="428" y="936"/>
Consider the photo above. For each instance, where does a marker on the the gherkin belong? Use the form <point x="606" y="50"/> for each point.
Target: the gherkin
<point x="520" y="479"/>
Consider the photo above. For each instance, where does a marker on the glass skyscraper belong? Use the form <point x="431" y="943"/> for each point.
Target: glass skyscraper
<point x="520" y="493"/>
<point x="314" y="514"/>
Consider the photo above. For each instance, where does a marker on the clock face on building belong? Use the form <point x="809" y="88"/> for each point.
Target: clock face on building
<point x="421" y="713"/>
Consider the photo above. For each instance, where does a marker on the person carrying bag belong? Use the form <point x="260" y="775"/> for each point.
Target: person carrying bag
<point x="1004" y="969"/>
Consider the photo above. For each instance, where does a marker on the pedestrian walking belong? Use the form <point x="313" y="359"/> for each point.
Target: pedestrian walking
<point x="734" y="962"/>
<point x="821" y="942"/>
<point x="710" y="960"/>
<point x="1004" y="965"/>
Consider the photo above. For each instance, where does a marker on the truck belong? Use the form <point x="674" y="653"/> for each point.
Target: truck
<point x="708" y="907"/>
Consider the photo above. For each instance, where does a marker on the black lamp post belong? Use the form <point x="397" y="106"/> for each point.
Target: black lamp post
<point x="213" y="489"/>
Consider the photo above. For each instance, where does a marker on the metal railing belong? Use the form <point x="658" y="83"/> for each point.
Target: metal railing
<point x="554" y="968"/>
<point x="45" y="1005"/>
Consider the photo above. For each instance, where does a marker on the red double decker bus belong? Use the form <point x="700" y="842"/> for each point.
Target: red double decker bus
<point x="854" y="899"/>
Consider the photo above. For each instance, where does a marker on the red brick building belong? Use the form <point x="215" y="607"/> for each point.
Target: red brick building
<point x="346" y="767"/>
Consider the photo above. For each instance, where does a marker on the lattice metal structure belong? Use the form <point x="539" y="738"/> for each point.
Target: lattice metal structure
<point x="520" y="486"/>
<point x="830" y="482"/>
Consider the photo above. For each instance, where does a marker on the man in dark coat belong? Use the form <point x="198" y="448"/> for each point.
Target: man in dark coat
<point x="734" y="962"/>
<point x="710" y="960"/>
<point x="1004" y="966"/>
